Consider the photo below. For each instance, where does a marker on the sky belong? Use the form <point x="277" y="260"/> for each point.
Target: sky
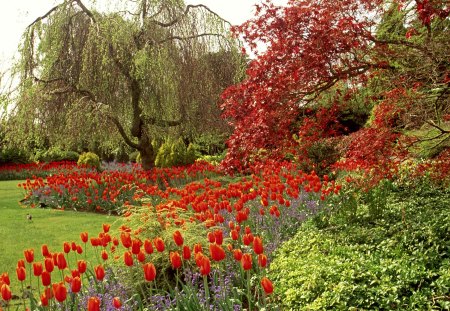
<point x="16" y="15"/>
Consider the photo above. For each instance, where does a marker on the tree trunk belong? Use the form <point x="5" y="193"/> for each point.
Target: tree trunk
<point x="148" y="155"/>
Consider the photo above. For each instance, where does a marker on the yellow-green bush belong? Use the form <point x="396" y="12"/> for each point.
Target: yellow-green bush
<point x="89" y="159"/>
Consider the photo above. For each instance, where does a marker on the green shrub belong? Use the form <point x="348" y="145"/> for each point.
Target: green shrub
<point x="133" y="156"/>
<point x="89" y="159"/>
<point x="174" y="153"/>
<point x="55" y="154"/>
<point x="13" y="155"/>
<point x="213" y="159"/>
<point x="210" y="144"/>
<point x="399" y="262"/>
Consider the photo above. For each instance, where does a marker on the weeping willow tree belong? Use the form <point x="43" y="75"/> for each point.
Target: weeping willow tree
<point x="125" y="75"/>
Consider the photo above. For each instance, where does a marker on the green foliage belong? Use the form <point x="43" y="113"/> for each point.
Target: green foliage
<point x="133" y="156"/>
<point x="13" y="155"/>
<point x="210" y="144"/>
<point x="55" y="154"/>
<point x="213" y="159"/>
<point x="399" y="262"/>
<point x="174" y="153"/>
<point x="431" y="141"/>
<point x="89" y="159"/>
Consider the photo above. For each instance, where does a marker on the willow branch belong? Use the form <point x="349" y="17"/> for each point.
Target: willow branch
<point x="186" y="11"/>
<point x="122" y="132"/>
<point x="191" y="37"/>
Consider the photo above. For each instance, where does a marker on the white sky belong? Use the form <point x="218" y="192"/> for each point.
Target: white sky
<point x="16" y="15"/>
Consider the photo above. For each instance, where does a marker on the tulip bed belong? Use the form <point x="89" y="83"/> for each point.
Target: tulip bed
<point x="189" y="239"/>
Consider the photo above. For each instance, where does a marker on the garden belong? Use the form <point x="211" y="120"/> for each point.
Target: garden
<point x="313" y="176"/>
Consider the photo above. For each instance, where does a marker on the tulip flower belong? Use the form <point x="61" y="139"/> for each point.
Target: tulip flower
<point x="49" y="265"/>
<point x="175" y="260"/>
<point x="104" y="255"/>
<point x="99" y="272"/>
<point x="258" y="245"/>
<point x="21" y="273"/>
<point x="37" y="268"/>
<point x="46" y="278"/>
<point x="117" y="303"/>
<point x="159" y="244"/>
<point x="186" y="252"/>
<point x="29" y="255"/>
<point x="218" y="234"/>
<point x="262" y="260"/>
<point x="5" y="278"/>
<point x="84" y="237"/>
<point x="148" y="246"/>
<point x="44" y="300"/>
<point x="267" y="285"/>
<point x="125" y="237"/>
<point x="178" y="238"/>
<point x="246" y="261"/>
<point x="76" y="285"/>
<point x="217" y="252"/>
<point x="237" y="254"/>
<point x="6" y="292"/>
<point x="20" y="263"/>
<point x="82" y="266"/>
<point x="45" y="251"/>
<point x="59" y="291"/>
<point x="93" y="304"/>
<point x="128" y="258"/>
<point x="61" y="261"/>
<point x="66" y="247"/>
<point x="149" y="272"/>
<point x="106" y="228"/>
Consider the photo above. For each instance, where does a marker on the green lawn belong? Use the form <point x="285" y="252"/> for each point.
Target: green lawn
<point x="48" y="226"/>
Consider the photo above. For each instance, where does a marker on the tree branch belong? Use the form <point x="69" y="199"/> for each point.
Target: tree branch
<point x="122" y="132"/>
<point x="190" y="37"/>
<point x="86" y="10"/>
<point x="45" y="15"/>
<point x="186" y="11"/>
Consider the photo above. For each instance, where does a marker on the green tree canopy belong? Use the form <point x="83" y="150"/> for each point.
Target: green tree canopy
<point x="128" y="74"/>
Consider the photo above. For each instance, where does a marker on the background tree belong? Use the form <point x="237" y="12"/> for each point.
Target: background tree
<point x="352" y="52"/>
<point x="125" y="75"/>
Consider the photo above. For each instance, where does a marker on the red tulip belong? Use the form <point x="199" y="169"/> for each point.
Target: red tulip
<point x="217" y="252"/>
<point x="159" y="244"/>
<point x="149" y="271"/>
<point x="106" y="228"/>
<point x="262" y="260"/>
<point x="44" y="300"/>
<point x="6" y="292"/>
<point x="21" y="273"/>
<point x="61" y="261"/>
<point x="49" y="265"/>
<point x="104" y="255"/>
<point x="94" y="304"/>
<point x="82" y="265"/>
<point x="79" y="250"/>
<point x="117" y="303"/>
<point x="20" y="263"/>
<point x="84" y="237"/>
<point x="45" y="251"/>
<point x="218" y="234"/>
<point x="135" y="246"/>
<point x="29" y="255"/>
<point x="186" y="252"/>
<point x="246" y="261"/>
<point x="211" y="237"/>
<point x="237" y="254"/>
<point x="197" y="248"/>
<point x="60" y="291"/>
<point x="205" y="267"/>
<point x="258" y="245"/>
<point x="178" y="238"/>
<point x="125" y="237"/>
<point x="37" y="268"/>
<point x="46" y="278"/>
<point x="66" y="247"/>
<point x="234" y="235"/>
<point x="148" y="246"/>
<point x="5" y="278"/>
<point x="267" y="285"/>
<point x="175" y="260"/>
<point x="99" y="272"/>
<point x="73" y="245"/>
<point x="76" y="284"/>
<point x="141" y="256"/>
<point x="128" y="258"/>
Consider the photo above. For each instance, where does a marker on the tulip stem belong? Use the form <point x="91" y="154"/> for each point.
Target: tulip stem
<point x="205" y="285"/>
<point x="248" y="291"/>
<point x="23" y="295"/>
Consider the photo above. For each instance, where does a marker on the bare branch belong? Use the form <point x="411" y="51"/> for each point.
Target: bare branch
<point x="45" y="15"/>
<point x="430" y="122"/>
<point x="122" y="132"/>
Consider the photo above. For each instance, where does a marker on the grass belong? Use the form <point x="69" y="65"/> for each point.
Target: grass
<point x="47" y="226"/>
